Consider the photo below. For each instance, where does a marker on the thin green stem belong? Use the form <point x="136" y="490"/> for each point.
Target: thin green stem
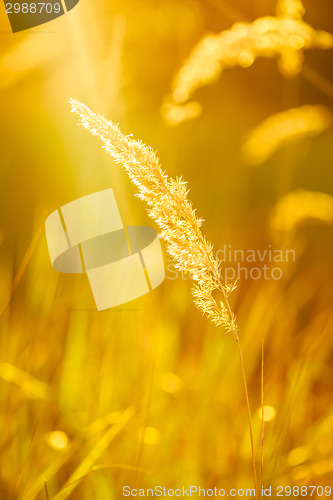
<point x="262" y="418"/>
<point x="46" y="490"/>
<point x="248" y="413"/>
<point x="235" y="334"/>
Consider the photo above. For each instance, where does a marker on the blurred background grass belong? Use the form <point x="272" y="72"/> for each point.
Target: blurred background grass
<point x="150" y="392"/>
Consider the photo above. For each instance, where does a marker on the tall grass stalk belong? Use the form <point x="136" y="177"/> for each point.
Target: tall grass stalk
<point x="180" y="228"/>
<point x="25" y="261"/>
<point x="46" y="490"/>
<point x="262" y="419"/>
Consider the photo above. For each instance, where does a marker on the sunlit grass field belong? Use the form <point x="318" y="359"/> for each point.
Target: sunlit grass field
<point x="151" y="393"/>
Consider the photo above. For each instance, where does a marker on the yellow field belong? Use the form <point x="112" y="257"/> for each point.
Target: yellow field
<point x="151" y="393"/>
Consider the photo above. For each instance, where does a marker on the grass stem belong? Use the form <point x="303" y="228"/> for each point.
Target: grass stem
<point x="262" y="418"/>
<point x="248" y="413"/>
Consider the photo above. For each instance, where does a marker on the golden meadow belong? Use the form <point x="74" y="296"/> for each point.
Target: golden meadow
<point x="236" y="98"/>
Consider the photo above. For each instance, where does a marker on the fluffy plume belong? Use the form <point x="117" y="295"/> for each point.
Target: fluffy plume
<point x="172" y="212"/>
<point x="290" y="8"/>
<point x="242" y="44"/>
<point x="285" y="36"/>
<point x="298" y="206"/>
<point x="285" y="128"/>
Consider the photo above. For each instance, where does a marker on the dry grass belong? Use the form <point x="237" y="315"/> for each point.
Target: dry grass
<point x="170" y="208"/>
<point x="151" y="393"/>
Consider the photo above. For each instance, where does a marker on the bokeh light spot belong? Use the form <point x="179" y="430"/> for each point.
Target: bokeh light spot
<point x="171" y="383"/>
<point x="57" y="440"/>
<point x="269" y="413"/>
<point x="149" y="435"/>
